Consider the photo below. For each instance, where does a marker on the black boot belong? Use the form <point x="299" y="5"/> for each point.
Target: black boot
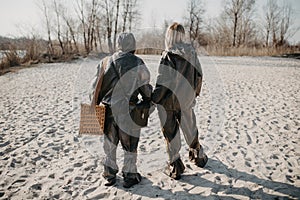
<point x="131" y="179"/>
<point x="110" y="175"/>
<point x="110" y="182"/>
<point x="198" y="157"/>
<point x="175" y="169"/>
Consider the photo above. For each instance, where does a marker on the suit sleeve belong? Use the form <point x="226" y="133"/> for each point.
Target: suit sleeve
<point x="93" y="85"/>
<point x="160" y="90"/>
<point x="107" y="77"/>
<point x="199" y="76"/>
<point x="146" y="89"/>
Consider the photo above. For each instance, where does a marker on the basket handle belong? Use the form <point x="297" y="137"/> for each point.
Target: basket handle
<point x="99" y="81"/>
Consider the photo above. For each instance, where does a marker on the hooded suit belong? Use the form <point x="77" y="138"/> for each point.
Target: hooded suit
<point x="125" y="77"/>
<point x="178" y="83"/>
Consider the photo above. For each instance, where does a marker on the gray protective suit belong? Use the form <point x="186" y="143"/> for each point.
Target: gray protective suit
<point x="125" y="77"/>
<point x="178" y="83"/>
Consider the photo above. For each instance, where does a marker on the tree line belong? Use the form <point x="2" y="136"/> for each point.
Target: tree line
<point x="96" y="23"/>
<point x="239" y="26"/>
<point x="87" y="24"/>
<point x="80" y="27"/>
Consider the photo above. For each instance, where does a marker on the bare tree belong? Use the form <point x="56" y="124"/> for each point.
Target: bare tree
<point x="70" y="24"/>
<point x="277" y="22"/>
<point x="271" y="21"/>
<point x="111" y="10"/>
<point x="246" y="30"/>
<point x="44" y="8"/>
<point x="195" y="19"/>
<point x="222" y="32"/>
<point x="267" y="22"/>
<point x="94" y="7"/>
<point x="130" y="14"/>
<point x="133" y="13"/>
<point x="87" y="13"/>
<point x="116" y="24"/>
<point x="108" y="16"/>
<point x="125" y="13"/>
<point x="98" y="32"/>
<point x="235" y="9"/>
<point x="285" y="23"/>
<point x="81" y="15"/>
<point x="31" y="42"/>
<point x="57" y="13"/>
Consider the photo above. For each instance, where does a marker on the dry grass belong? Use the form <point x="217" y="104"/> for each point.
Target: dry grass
<point x="248" y="51"/>
<point x="10" y="59"/>
<point x="35" y="53"/>
<point x="151" y="51"/>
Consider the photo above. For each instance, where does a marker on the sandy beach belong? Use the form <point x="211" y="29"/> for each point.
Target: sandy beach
<point x="247" y="116"/>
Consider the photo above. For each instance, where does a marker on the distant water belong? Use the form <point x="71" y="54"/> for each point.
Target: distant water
<point x="21" y="53"/>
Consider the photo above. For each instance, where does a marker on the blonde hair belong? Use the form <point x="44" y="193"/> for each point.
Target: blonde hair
<point x="175" y="34"/>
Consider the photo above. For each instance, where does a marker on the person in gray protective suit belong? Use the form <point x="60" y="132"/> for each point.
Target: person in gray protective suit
<point x="125" y="77"/>
<point x="178" y="83"/>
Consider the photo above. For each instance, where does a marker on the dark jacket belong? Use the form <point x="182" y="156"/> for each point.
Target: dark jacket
<point x="128" y="72"/>
<point x="122" y="63"/>
<point x="179" y="78"/>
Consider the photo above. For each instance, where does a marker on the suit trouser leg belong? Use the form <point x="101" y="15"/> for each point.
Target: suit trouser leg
<point x="189" y="128"/>
<point x="171" y="132"/>
<point x="129" y="144"/>
<point x="111" y="140"/>
<point x="190" y="132"/>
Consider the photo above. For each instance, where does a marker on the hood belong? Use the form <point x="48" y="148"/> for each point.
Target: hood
<point x="184" y="50"/>
<point x="126" y="42"/>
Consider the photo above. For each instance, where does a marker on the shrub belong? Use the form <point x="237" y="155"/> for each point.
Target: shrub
<point x="12" y="58"/>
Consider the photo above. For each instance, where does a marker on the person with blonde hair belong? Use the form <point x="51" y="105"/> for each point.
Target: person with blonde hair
<point x="178" y="83"/>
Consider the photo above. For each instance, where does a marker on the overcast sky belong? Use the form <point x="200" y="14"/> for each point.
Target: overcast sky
<point x="19" y="15"/>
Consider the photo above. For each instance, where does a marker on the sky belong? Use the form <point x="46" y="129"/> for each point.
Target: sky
<point x="19" y="16"/>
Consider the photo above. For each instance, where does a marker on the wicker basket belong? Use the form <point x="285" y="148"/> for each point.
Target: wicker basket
<point x="92" y="116"/>
<point x="92" y="120"/>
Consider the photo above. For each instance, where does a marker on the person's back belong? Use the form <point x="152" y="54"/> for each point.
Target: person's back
<point x="135" y="74"/>
<point x="178" y="83"/>
<point x="124" y="79"/>
<point x="182" y="58"/>
<point x="121" y="63"/>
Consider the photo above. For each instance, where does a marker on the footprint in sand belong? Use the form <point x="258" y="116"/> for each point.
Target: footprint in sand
<point x="88" y="191"/>
<point x="37" y="186"/>
<point x="18" y="183"/>
<point x="2" y="194"/>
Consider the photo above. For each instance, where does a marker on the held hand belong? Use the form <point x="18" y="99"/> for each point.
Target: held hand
<point x="152" y="108"/>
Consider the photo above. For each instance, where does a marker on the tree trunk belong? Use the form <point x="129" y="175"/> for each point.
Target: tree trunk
<point x="267" y="38"/>
<point x="58" y="28"/>
<point x="108" y="28"/>
<point x="99" y="35"/>
<point x="125" y="16"/>
<point x="83" y="24"/>
<point x="274" y="39"/>
<point x="109" y="43"/>
<point x="50" y="45"/>
<point x="234" y="29"/>
<point x="116" y="25"/>
<point x="95" y="42"/>
<point x="74" y="39"/>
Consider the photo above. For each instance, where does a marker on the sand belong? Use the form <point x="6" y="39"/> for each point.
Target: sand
<point x="247" y="115"/>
